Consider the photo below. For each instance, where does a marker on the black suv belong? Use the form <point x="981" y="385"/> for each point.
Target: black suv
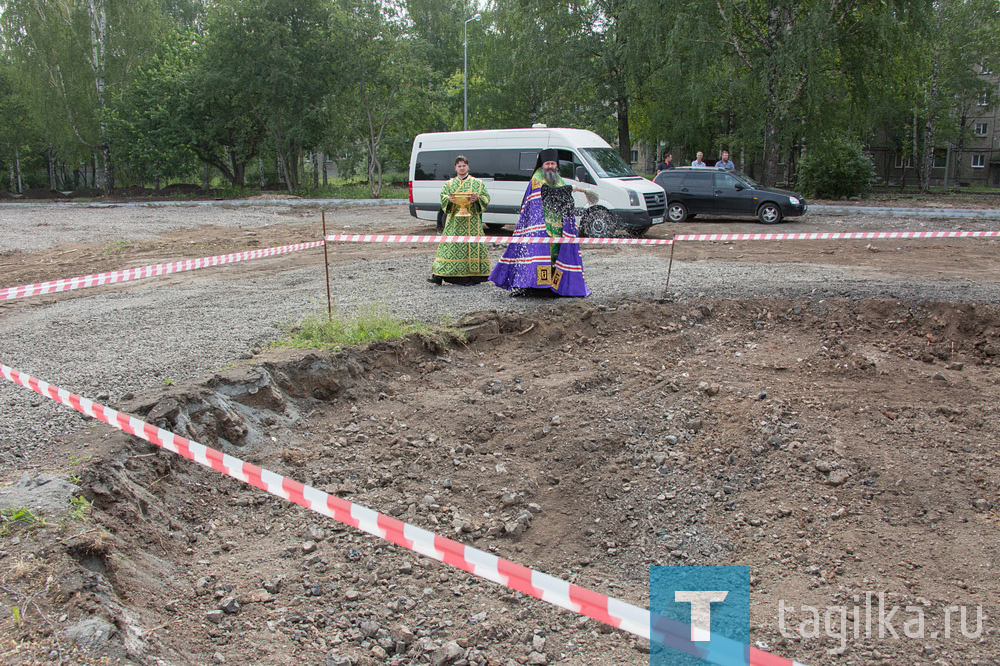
<point x="712" y="191"/>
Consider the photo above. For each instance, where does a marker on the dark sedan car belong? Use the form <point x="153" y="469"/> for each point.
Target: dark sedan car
<point x="710" y="191"/>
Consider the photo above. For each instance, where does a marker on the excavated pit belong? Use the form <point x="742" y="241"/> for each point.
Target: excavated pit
<point x="822" y="444"/>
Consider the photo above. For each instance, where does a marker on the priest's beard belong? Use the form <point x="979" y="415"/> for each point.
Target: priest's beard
<point x="551" y="177"/>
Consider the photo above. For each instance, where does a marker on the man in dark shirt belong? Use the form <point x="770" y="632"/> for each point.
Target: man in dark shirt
<point x="667" y="163"/>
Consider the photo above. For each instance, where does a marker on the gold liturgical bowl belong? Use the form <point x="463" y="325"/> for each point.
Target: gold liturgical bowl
<point x="463" y="199"/>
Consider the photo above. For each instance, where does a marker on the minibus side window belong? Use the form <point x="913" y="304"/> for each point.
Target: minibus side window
<point x="568" y="162"/>
<point x="427" y="166"/>
<point x="526" y="162"/>
<point x="508" y="164"/>
<point x="497" y="163"/>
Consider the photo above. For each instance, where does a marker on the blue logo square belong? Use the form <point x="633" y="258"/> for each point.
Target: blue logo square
<point x="699" y="615"/>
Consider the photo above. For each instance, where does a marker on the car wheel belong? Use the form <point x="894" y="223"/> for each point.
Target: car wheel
<point x="769" y="213"/>
<point x="440" y="221"/>
<point x="600" y="223"/>
<point x="677" y="212"/>
<point x="494" y="227"/>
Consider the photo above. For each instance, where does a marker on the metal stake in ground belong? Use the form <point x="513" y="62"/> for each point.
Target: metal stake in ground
<point x="326" y="263"/>
<point x="670" y="265"/>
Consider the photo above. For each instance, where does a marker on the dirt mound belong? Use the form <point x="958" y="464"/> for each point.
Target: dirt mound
<point x="134" y="192"/>
<point x="180" y="188"/>
<point x="87" y="193"/>
<point x="40" y="194"/>
<point x="834" y="447"/>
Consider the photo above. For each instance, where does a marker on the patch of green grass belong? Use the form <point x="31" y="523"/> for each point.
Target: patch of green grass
<point x="353" y="190"/>
<point x="373" y="323"/>
<point x="116" y="247"/>
<point x="80" y="508"/>
<point x="230" y="192"/>
<point x="74" y="476"/>
<point x="18" y="516"/>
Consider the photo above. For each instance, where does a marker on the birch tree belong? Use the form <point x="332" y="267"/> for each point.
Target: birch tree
<point x="74" y="52"/>
<point x="379" y="100"/>
<point x="956" y="39"/>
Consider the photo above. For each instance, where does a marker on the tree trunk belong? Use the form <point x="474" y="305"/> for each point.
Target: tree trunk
<point x="98" y="49"/>
<point x="947" y="165"/>
<point x="17" y="166"/>
<point x="260" y="172"/>
<point x="316" y="156"/>
<point x="290" y="169"/>
<point x="930" y="125"/>
<point x="109" y="170"/>
<point x="238" y="170"/>
<point x="325" y="180"/>
<point x="374" y="170"/>
<point x="624" y="142"/>
<point x="290" y="173"/>
<point x="51" y="159"/>
<point x="770" y="151"/>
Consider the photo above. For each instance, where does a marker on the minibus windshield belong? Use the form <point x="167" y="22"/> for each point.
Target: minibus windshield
<point x="606" y="162"/>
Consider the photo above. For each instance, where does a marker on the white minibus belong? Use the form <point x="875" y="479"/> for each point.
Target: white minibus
<point x="505" y="159"/>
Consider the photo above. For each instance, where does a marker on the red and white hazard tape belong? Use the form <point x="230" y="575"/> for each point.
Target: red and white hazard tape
<point x="99" y="279"/>
<point x="391" y="238"/>
<point x="609" y="610"/>
<point x="113" y="277"/>
<point x="859" y="235"/>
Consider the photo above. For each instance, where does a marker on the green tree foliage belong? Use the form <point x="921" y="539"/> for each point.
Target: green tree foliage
<point x="73" y="54"/>
<point x="949" y="39"/>
<point x="538" y="63"/>
<point x="265" y="68"/>
<point x="381" y="104"/>
<point x="149" y="127"/>
<point x="836" y="168"/>
<point x="18" y="134"/>
<point x="153" y="87"/>
<point x="764" y="78"/>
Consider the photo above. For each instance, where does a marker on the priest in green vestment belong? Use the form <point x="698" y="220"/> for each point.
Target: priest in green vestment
<point x="462" y="263"/>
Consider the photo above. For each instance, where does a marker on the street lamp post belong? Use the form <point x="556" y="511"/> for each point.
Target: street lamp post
<point x="465" y="77"/>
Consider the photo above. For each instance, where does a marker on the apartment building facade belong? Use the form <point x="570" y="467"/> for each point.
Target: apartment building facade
<point x="973" y="162"/>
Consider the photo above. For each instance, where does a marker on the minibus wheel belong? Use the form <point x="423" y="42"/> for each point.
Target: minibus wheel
<point x="440" y="221"/>
<point x="600" y="223"/>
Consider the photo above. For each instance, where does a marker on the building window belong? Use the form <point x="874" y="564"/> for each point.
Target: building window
<point x="985" y="69"/>
<point x="984" y="99"/>
<point x="940" y="158"/>
<point x="903" y="164"/>
<point x="634" y="156"/>
<point x="982" y="129"/>
<point x="978" y="161"/>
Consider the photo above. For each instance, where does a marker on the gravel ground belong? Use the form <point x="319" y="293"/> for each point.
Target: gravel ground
<point x="108" y="342"/>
